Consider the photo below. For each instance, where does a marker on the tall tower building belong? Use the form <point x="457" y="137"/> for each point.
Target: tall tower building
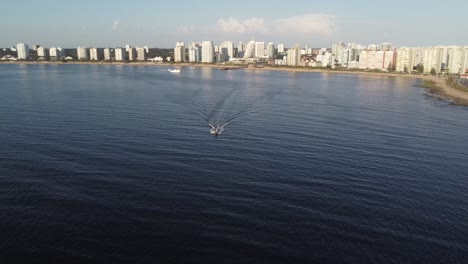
<point x="271" y="50"/>
<point x="119" y="54"/>
<point x="294" y="56"/>
<point x="259" y="49"/>
<point x="41" y="53"/>
<point x="141" y="54"/>
<point x="280" y="48"/>
<point x="82" y="53"/>
<point x="207" y="52"/>
<point x="107" y="54"/>
<point x="249" y="50"/>
<point x="131" y="53"/>
<point x="23" y="51"/>
<point x="241" y="47"/>
<point x="93" y="54"/>
<point x="179" y="52"/>
<point x="227" y="49"/>
<point x="194" y="52"/>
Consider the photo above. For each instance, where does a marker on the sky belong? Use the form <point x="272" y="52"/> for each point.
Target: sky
<point x="160" y="24"/>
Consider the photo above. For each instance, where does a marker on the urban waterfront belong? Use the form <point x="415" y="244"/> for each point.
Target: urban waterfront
<point x="115" y="163"/>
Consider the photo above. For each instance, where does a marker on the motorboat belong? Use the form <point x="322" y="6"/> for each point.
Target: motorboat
<point x="215" y="130"/>
<point x="174" y="70"/>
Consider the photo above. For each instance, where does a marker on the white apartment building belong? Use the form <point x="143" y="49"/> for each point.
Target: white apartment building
<point x="270" y="53"/>
<point x="207" y="52"/>
<point x="194" y="51"/>
<point x="227" y="49"/>
<point x="54" y="53"/>
<point x="93" y="54"/>
<point x="280" y="48"/>
<point x="131" y="53"/>
<point x="241" y="47"/>
<point x="107" y="54"/>
<point x="259" y="49"/>
<point x="82" y="53"/>
<point x="249" y="50"/>
<point x="404" y="60"/>
<point x="23" y="51"/>
<point x="141" y="54"/>
<point x="432" y="59"/>
<point x="41" y="53"/>
<point x="119" y="54"/>
<point x="294" y="56"/>
<point x="456" y="60"/>
<point x="179" y="52"/>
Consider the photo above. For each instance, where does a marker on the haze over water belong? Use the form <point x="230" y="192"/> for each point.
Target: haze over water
<point x="107" y="163"/>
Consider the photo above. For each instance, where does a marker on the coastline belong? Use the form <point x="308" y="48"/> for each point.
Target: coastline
<point x="437" y="85"/>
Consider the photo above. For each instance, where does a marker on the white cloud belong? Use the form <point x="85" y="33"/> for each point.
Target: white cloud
<point x="232" y="25"/>
<point x="321" y="24"/>
<point x="115" y="25"/>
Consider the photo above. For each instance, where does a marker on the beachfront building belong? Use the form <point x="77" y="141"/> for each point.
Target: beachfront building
<point x="131" y="53"/>
<point x="107" y="54"/>
<point x="241" y="47"/>
<point x="294" y="56"/>
<point x="41" y="53"/>
<point x="141" y="54"/>
<point x="207" y="52"/>
<point x="23" y="51"/>
<point x="456" y="60"/>
<point x="404" y="62"/>
<point x="337" y="51"/>
<point x="226" y="48"/>
<point x="179" y="52"/>
<point x="280" y="48"/>
<point x="194" y="52"/>
<point x="249" y="50"/>
<point x="270" y="53"/>
<point x="82" y="53"/>
<point x="93" y="54"/>
<point x="119" y="54"/>
<point x="54" y="53"/>
<point x="259" y="49"/>
<point x="432" y="59"/>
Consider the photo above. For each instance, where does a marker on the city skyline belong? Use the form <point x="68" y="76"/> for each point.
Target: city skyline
<point x="69" y="24"/>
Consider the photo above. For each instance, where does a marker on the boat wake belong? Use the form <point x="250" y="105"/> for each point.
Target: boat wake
<point x="231" y="104"/>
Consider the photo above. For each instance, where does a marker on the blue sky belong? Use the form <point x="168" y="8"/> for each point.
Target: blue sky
<point x="161" y="24"/>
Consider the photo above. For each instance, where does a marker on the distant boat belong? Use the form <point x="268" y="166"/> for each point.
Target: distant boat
<point x="174" y="70"/>
<point x="215" y="130"/>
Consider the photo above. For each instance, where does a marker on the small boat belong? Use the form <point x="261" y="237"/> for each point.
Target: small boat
<point x="215" y="130"/>
<point x="174" y="70"/>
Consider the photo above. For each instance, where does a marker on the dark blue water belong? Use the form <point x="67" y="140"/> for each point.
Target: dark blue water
<point x="115" y="164"/>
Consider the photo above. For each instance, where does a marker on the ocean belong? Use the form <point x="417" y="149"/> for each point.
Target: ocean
<point x="116" y="164"/>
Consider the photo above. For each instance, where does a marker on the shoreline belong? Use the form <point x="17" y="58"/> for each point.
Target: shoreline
<point x="437" y="85"/>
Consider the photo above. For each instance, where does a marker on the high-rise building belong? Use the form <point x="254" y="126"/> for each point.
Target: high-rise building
<point x="241" y="47"/>
<point x="270" y="50"/>
<point x="294" y="56"/>
<point x="141" y="54"/>
<point x="119" y="54"/>
<point x="259" y="49"/>
<point x="107" y="54"/>
<point x="207" y="52"/>
<point x="249" y="50"/>
<point x="179" y="52"/>
<point x="93" y="54"/>
<point x="41" y="53"/>
<point x="82" y="53"/>
<point x="194" y="52"/>
<point x="280" y="48"/>
<point x="131" y="53"/>
<point x="456" y="60"/>
<point x="432" y="59"/>
<point x="404" y="60"/>
<point x="227" y="49"/>
<point x="23" y="51"/>
<point x="54" y="53"/>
